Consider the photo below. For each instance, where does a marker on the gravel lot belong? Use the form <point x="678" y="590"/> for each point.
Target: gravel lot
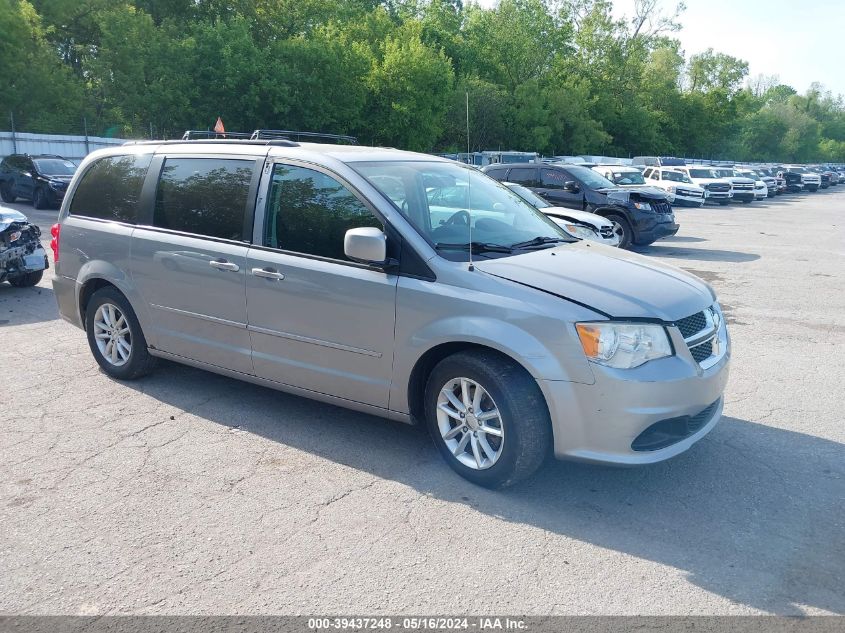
<point x="186" y="492"/>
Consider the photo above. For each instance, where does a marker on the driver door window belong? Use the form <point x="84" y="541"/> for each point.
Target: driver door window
<point x="309" y="212"/>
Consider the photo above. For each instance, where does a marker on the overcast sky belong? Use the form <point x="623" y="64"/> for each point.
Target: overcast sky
<point x="798" y="40"/>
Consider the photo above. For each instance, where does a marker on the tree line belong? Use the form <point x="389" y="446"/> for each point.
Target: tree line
<point x="554" y="76"/>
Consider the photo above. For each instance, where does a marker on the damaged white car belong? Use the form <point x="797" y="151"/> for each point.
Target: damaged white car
<point x="22" y="258"/>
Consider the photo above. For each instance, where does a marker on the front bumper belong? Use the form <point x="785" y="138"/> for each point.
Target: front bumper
<point x="652" y="233"/>
<point x="599" y="422"/>
<point x="715" y="196"/>
<point x="688" y="201"/>
<point x="744" y="195"/>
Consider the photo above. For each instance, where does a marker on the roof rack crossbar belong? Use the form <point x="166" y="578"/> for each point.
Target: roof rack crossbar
<point x="295" y="135"/>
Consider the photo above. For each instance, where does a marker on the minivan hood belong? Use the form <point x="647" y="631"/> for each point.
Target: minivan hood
<point x="610" y="280"/>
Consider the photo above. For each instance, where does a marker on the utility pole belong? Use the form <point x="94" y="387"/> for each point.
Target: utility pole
<point x="85" y="126"/>
<point x="14" y="138"/>
<point x="467" y="95"/>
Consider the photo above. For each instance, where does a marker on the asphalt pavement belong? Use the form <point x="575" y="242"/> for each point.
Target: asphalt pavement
<point x="186" y="492"/>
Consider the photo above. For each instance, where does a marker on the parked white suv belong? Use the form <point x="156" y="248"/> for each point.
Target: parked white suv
<point x="742" y="188"/>
<point x="676" y="183"/>
<point x="716" y="189"/>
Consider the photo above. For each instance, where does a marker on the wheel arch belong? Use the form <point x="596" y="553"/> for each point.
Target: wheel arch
<point x="428" y="361"/>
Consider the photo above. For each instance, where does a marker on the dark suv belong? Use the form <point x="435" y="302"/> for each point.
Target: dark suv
<point x="42" y="179"/>
<point x="640" y="216"/>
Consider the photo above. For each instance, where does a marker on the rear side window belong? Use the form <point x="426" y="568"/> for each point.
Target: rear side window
<point x="527" y="177"/>
<point x="206" y="196"/>
<point x="309" y="212"/>
<point x="111" y="188"/>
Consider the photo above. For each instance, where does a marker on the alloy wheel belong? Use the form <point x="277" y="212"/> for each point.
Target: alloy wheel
<point x="112" y="334"/>
<point x="470" y="423"/>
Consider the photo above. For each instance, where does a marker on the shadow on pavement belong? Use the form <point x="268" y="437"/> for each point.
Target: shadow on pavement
<point x="753" y="512"/>
<point x="701" y="254"/>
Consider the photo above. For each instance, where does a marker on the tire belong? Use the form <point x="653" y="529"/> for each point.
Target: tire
<point x="6" y="193"/>
<point x="524" y="424"/>
<point x="138" y="361"/>
<point x="622" y="228"/>
<point x="746" y="202"/>
<point x="39" y="199"/>
<point x="27" y="280"/>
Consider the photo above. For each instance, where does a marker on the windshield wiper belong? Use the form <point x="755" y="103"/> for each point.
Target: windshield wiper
<point x="475" y="247"/>
<point x="539" y="241"/>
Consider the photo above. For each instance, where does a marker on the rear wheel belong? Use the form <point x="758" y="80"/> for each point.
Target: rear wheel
<point x="115" y="336"/>
<point x="27" y="280"/>
<point x="622" y="230"/>
<point x="488" y="418"/>
<point x="6" y="193"/>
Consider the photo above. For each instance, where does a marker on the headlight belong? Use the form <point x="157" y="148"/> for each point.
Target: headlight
<point x="623" y="345"/>
<point x="580" y="232"/>
<point x="642" y="206"/>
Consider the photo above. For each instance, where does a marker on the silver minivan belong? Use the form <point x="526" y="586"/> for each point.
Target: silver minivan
<point x="398" y="284"/>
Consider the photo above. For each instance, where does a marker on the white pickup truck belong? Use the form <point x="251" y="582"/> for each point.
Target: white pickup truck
<point x="716" y="188"/>
<point x="675" y="183"/>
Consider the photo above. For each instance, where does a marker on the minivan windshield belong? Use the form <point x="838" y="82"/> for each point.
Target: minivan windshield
<point x="457" y="209"/>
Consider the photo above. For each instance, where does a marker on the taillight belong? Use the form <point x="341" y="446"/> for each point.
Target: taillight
<point x="54" y="243"/>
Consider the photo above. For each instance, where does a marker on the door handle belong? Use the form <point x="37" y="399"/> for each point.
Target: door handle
<point x="268" y="273"/>
<point x="224" y="265"/>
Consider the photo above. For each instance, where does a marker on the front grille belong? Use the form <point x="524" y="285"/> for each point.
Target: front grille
<point x="692" y="325"/>
<point x="744" y="187"/>
<point x="690" y="194"/>
<point x="703" y="351"/>
<point x="673" y="430"/>
<point x="661" y="206"/>
<point x="718" y="187"/>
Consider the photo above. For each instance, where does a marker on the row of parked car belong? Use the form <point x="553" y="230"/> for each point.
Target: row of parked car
<point x="627" y="205"/>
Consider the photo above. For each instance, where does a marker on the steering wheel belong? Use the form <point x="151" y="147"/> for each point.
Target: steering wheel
<point x="459" y="217"/>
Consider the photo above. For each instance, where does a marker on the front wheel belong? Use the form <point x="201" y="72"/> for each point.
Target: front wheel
<point x="622" y="230"/>
<point x="115" y="336"/>
<point x="39" y="199"/>
<point x="488" y="418"/>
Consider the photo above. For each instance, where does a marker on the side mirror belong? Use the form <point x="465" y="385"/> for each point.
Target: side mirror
<point x="366" y="245"/>
<point x="571" y="186"/>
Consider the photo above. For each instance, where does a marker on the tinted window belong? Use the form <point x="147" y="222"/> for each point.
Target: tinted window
<point x="309" y="212"/>
<point x="553" y="178"/>
<point x="498" y="173"/>
<point x="523" y="176"/>
<point x="206" y="196"/>
<point x="111" y="188"/>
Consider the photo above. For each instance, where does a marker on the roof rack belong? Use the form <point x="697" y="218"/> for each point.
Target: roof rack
<point x="205" y="135"/>
<point x="293" y="135"/>
<point x="269" y="135"/>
